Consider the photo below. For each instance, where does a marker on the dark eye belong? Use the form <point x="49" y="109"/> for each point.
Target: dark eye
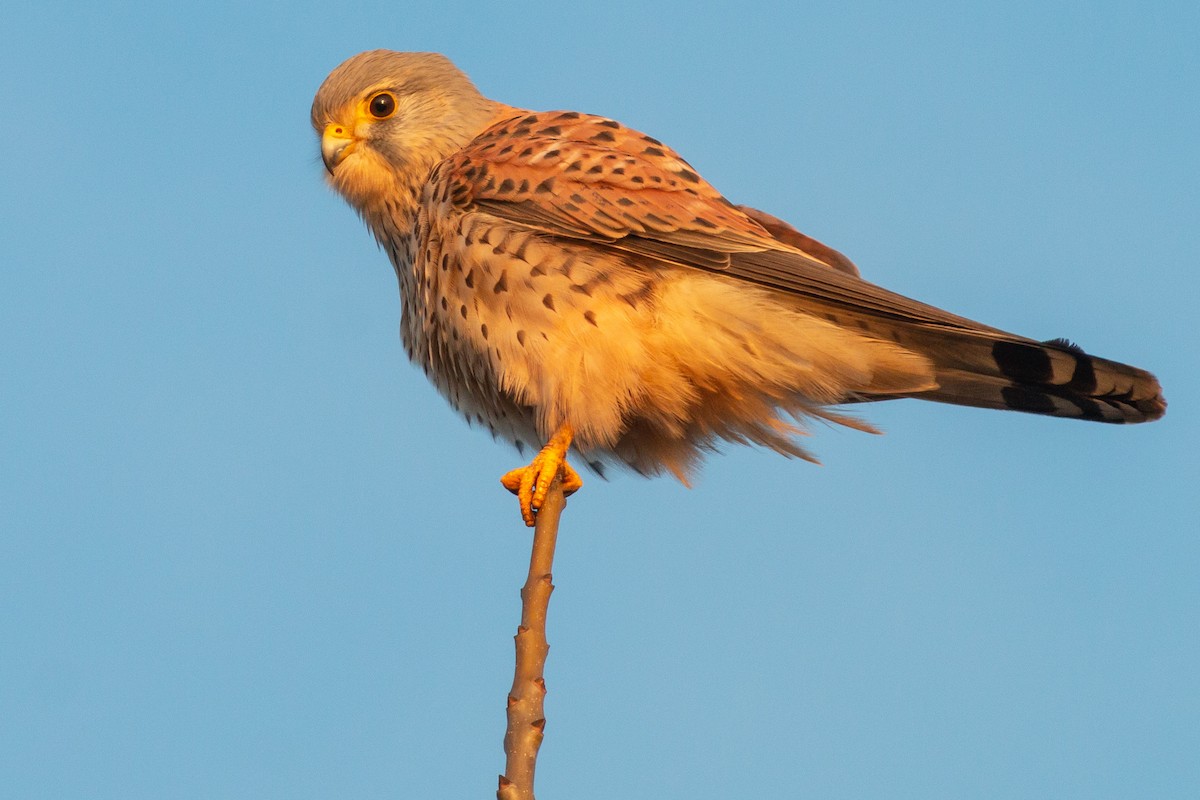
<point x="382" y="105"/>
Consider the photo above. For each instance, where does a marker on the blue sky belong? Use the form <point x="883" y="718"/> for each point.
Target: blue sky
<point x="247" y="552"/>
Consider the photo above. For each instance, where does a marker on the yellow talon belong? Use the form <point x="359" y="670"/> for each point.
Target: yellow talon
<point x="531" y="484"/>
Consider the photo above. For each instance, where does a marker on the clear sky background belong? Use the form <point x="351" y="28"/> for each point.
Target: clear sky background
<point x="247" y="552"/>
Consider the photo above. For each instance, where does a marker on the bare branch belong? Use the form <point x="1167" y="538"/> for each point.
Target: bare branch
<point x="526" y="717"/>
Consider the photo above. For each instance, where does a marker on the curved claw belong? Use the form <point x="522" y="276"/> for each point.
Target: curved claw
<point x="532" y="483"/>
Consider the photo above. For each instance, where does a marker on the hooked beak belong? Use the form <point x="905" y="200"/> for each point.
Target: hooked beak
<point x="337" y="142"/>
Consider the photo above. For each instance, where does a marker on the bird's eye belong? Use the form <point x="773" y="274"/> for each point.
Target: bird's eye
<point x="382" y="105"/>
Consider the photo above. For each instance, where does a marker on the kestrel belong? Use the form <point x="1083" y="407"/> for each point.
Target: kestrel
<point x="567" y="281"/>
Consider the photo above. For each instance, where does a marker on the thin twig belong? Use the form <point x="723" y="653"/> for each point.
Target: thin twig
<point x="526" y="718"/>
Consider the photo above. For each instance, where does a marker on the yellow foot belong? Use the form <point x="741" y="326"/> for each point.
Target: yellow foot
<point x="531" y="484"/>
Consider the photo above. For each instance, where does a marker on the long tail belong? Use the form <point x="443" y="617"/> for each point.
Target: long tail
<point x="992" y="369"/>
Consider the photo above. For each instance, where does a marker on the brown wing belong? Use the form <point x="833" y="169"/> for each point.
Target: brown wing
<point x="588" y="177"/>
<point x="585" y="177"/>
<point x="785" y="233"/>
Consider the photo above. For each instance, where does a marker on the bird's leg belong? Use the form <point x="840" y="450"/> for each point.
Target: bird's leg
<point x="530" y="484"/>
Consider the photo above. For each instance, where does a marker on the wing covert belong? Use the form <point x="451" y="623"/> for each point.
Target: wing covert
<point x="578" y="176"/>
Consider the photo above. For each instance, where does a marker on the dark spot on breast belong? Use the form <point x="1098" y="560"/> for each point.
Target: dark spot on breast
<point x="551" y="130"/>
<point x="462" y="310"/>
<point x="537" y="271"/>
<point x="596" y="170"/>
<point x="545" y="186"/>
<point x="636" y="179"/>
<point x="445" y="304"/>
<point x="470" y="279"/>
<point x="445" y="261"/>
<point x="525" y="153"/>
<point x="599" y="279"/>
<point x="574" y="166"/>
<point x="548" y="302"/>
<point x="502" y="284"/>
<point x="604" y="136"/>
<point x="552" y="153"/>
<point x="483" y="330"/>
<point x="506" y="185"/>
<point x="590" y="316"/>
<point x="521" y="338"/>
<point x="641" y="295"/>
<point x="568" y="266"/>
<point x="581" y="289"/>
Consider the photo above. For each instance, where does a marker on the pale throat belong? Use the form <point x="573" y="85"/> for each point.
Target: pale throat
<point x="391" y="207"/>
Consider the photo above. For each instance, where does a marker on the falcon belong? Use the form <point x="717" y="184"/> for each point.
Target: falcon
<point x="568" y="282"/>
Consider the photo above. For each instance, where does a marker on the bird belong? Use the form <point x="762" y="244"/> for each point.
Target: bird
<point x="573" y="284"/>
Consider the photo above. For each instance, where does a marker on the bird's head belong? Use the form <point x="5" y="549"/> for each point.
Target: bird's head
<point x="386" y="118"/>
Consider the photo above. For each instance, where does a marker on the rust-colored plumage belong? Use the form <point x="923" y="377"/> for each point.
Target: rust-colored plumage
<point x="566" y="279"/>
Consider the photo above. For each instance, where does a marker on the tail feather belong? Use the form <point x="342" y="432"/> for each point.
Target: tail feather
<point x="991" y="369"/>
